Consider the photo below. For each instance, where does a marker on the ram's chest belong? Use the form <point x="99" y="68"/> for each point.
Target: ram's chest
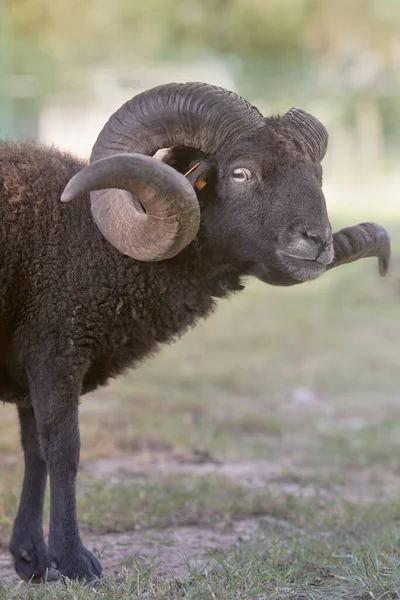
<point x="136" y="331"/>
<point x="110" y="364"/>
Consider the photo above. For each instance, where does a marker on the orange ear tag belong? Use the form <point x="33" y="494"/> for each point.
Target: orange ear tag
<point x="200" y="183"/>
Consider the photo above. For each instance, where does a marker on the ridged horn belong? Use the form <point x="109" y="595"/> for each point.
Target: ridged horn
<point x="362" y="241"/>
<point x="310" y="130"/>
<point x="196" y="115"/>
<point x="168" y="198"/>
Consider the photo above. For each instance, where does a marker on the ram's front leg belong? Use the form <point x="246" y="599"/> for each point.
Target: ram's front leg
<point x="56" y="408"/>
<point x="27" y="546"/>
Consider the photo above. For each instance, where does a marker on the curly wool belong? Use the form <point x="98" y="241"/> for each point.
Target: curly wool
<point x="67" y="293"/>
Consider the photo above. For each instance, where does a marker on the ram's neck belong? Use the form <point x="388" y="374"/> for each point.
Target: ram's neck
<point x="181" y="290"/>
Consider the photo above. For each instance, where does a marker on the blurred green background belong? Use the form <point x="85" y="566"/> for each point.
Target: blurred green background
<point x="66" y="65"/>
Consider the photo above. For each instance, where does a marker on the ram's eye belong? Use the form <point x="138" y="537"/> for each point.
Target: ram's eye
<point x="241" y="175"/>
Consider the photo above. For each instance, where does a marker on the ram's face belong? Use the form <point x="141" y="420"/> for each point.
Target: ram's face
<point x="264" y="210"/>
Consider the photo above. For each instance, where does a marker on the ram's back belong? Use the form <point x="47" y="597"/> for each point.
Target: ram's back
<point x="32" y="178"/>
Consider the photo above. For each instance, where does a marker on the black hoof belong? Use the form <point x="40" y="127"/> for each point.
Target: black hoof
<point x="80" y="565"/>
<point x="32" y="561"/>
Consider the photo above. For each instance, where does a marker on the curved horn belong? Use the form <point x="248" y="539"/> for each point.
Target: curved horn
<point x="361" y="241"/>
<point x="310" y="130"/>
<point x="196" y="115"/>
<point x="167" y="197"/>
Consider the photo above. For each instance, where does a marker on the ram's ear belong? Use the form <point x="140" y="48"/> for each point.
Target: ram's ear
<point x="181" y="158"/>
<point x="190" y="162"/>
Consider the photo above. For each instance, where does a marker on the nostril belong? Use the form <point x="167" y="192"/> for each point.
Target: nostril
<point x="321" y="237"/>
<point x="314" y="237"/>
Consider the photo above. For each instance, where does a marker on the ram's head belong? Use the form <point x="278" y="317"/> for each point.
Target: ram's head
<point x="252" y="189"/>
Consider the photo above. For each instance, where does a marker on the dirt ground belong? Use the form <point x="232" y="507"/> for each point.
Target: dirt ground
<point x="172" y="548"/>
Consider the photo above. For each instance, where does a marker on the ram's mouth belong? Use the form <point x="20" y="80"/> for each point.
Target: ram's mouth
<point x="350" y="244"/>
<point x="306" y="270"/>
<point x="293" y="272"/>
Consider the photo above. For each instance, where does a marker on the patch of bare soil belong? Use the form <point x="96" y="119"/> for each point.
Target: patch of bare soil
<point x="170" y="549"/>
<point x="7" y="573"/>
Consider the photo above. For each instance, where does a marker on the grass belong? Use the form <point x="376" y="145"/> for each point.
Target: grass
<point x="281" y="410"/>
